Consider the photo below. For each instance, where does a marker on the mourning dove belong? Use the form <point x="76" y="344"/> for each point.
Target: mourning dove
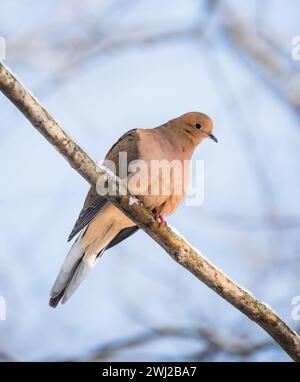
<point x="101" y="225"/>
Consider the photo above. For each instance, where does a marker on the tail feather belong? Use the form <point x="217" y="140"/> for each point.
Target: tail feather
<point x="82" y="270"/>
<point x="66" y="273"/>
<point x="53" y="302"/>
<point x="83" y="256"/>
<point x="71" y="275"/>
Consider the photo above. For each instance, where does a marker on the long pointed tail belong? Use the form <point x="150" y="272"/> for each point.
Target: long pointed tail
<point x="73" y="271"/>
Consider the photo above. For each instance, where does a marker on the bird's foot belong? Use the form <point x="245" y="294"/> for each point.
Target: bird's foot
<point x="160" y="218"/>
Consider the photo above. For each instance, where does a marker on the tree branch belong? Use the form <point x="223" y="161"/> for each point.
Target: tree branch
<point x="213" y="343"/>
<point x="261" y="53"/>
<point x="174" y="245"/>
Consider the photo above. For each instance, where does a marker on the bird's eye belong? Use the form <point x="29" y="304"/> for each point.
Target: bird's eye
<point x="198" y="126"/>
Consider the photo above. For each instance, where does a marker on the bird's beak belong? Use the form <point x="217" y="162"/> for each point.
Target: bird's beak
<point x="211" y="136"/>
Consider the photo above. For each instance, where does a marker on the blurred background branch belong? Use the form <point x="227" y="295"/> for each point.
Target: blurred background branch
<point x="264" y="55"/>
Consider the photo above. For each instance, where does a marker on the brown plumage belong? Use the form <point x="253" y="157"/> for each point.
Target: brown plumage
<point x="100" y="224"/>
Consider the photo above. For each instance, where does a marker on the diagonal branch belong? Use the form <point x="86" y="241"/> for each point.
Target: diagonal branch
<point x="183" y="253"/>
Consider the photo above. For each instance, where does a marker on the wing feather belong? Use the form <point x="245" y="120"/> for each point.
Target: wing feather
<point x="122" y="235"/>
<point x="87" y="215"/>
<point x="94" y="203"/>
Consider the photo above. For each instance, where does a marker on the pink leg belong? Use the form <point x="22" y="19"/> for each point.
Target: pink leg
<point x="160" y="218"/>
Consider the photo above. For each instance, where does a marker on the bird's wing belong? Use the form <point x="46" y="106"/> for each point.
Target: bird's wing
<point x="122" y="235"/>
<point x="94" y="203"/>
<point x="88" y="214"/>
<point x="128" y="143"/>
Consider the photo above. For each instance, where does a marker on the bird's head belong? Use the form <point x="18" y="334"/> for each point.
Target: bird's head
<point x="195" y="126"/>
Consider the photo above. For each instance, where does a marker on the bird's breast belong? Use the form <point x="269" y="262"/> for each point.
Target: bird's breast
<point x="164" y="174"/>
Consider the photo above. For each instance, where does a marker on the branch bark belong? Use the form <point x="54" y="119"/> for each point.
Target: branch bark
<point x="173" y="244"/>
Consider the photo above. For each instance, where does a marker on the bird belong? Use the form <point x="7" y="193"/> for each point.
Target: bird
<point x="100" y="225"/>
